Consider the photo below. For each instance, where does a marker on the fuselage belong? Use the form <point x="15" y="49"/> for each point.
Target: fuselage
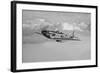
<point x="56" y="35"/>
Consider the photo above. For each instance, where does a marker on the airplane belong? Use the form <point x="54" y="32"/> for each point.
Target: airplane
<point x="58" y="36"/>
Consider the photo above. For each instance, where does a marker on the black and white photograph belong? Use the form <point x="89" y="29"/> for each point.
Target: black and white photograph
<point x="53" y="36"/>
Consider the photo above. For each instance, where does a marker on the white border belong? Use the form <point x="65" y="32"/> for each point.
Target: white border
<point x="21" y="65"/>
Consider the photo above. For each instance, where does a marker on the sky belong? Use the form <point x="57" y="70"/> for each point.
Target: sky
<point x="67" y="19"/>
<point x="70" y="17"/>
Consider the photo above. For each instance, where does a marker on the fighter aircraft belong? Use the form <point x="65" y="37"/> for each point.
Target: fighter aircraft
<point x="59" y="36"/>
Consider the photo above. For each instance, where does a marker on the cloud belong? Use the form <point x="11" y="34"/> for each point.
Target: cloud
<point x="37" y="25"/>
<point x="82" y="25"/>
<point x="40" y="23"/>
<point x="67" y="26"/>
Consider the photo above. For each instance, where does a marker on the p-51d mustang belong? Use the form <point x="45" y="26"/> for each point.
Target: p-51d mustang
<point x="58" y="36"/>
